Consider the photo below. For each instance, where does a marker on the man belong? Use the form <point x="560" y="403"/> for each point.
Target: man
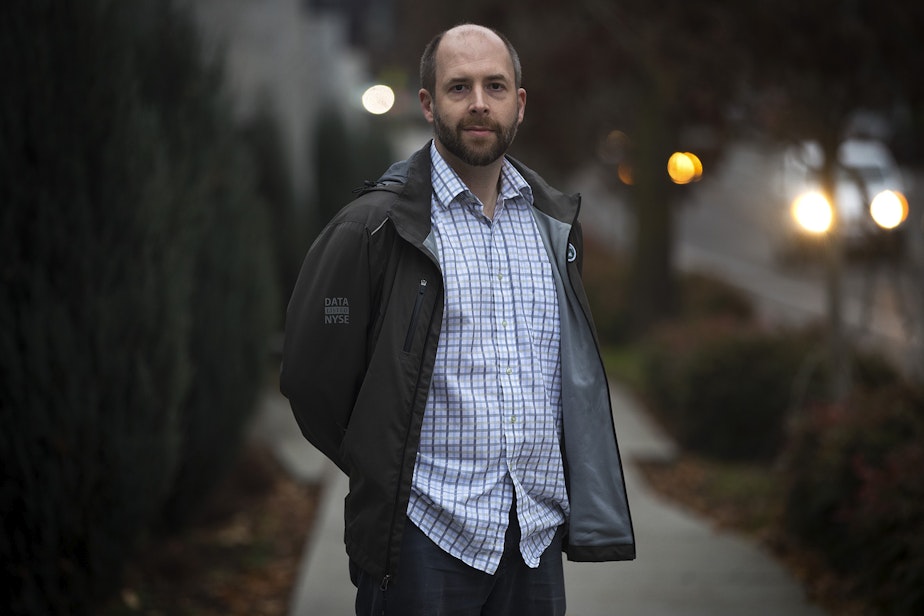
<point x="440" y="350"/>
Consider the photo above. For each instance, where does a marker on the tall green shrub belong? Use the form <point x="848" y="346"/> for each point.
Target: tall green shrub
<point x="331" y="155"/>
<point x="233" y="311"/>
<point x="136" y="290"/>
<point x="288" y="222"/>
<point x="347" y="151"/>
<point x="235" y="295"/>
<point x="95" y="250"/>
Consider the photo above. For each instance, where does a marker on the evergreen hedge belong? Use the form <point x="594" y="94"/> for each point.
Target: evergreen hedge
<point x="855" y="492"/>
<point x="347" y="151"/>
<point x="133" y="300"/>
<point x="729" y="389"/>
<point x="291" y="228"/>
<point x="724" y="389"/>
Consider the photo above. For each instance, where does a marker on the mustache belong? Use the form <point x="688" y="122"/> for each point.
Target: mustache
<point x="488" y="124"/>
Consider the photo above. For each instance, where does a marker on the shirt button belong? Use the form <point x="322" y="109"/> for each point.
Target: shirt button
<point x="513" y="420"/>
<point x="504" y="323"/>
<point x="500" y="276"/>
<point x="509" y="370"/>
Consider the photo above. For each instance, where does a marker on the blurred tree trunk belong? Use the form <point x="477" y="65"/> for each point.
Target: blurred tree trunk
<point x="838" y="346"/>
<point x="653" y="278"/>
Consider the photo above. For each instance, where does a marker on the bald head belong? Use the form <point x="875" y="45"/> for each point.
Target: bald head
<point x="459" y="36"/>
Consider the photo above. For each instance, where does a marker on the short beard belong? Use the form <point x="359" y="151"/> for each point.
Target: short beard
<point x="452" y="140"/>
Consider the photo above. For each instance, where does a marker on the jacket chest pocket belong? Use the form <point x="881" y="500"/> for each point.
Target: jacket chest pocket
<point x="415" y="315"/>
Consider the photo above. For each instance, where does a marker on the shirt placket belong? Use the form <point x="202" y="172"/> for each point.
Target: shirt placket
<point x="504" y="315"/>
<point x="491" y="290"/>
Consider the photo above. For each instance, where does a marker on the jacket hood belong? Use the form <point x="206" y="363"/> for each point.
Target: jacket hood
<point x="396" y="174"/>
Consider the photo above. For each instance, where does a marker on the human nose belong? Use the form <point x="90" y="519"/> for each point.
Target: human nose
<point x="479" y="101"/>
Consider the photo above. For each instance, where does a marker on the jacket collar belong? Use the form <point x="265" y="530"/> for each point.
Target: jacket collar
<point x="549" y="200"/>
<point x="410" y="211"/>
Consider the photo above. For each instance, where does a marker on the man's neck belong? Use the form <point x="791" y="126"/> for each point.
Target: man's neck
<point x="484" y="182"/>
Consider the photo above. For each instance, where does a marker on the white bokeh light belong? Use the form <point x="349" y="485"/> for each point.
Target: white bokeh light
<point x="813" y="212"/>
<point x="378" y="99"/>
<point x="889" y="209"/>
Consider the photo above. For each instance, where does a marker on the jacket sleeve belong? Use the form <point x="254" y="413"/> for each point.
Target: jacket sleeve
<point x="324" y="348"/>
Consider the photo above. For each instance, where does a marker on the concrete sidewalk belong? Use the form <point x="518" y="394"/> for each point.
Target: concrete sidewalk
<point x="684" y="568"/>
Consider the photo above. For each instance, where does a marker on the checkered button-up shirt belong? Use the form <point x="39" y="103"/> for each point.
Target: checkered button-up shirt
<point x="492" y="426"/>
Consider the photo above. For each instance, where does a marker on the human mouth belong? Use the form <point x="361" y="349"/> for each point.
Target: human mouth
<point x="480" y="131"/>
<point x="479" y="135"/>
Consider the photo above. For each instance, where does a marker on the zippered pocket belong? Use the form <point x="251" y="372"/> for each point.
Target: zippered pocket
<point x="415" y="314"/>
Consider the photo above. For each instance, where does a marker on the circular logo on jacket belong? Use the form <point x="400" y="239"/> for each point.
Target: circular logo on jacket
<point x="572" y="253"/>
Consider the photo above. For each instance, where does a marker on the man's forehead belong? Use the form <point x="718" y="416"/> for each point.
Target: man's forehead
<point x="472" y="49"/>
<point x="471" y="30"/>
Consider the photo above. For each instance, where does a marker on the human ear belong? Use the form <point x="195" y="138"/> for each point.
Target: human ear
<point x="426" y="104"/>
<point x="521" y="95"/>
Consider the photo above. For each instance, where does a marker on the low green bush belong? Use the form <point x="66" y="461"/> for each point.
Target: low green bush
<point x="705" y="296"/>
<point x="727" y="387"/>
<point x="855" y="492"/>
<point x="723" y="389"/>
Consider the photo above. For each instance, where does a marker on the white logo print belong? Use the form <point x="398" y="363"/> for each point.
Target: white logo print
<point x="572" y="253"/>
<point x="336" y="311"/>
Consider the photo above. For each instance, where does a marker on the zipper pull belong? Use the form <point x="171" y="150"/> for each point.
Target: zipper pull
<point x="384" y="585"/>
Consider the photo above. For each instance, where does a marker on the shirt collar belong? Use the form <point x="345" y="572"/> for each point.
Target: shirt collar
<point x="449" y="187"/>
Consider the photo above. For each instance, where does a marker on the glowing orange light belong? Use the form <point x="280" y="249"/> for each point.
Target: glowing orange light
<point x="681" y="168"/>
<point x="697" y="165"/>
<point x="625" y="173"/>
<point x="613" y="147"/>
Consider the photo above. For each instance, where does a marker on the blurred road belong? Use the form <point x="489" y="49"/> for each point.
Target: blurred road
<point x="732" y="226"/>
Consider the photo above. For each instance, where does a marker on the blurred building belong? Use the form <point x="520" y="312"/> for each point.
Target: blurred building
<point x="293" y="56"/>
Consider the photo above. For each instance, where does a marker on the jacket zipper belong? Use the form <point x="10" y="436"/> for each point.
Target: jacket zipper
<point x="409" y="338"/>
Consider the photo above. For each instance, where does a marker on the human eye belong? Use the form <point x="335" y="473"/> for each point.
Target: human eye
<point x="496" y="87"/>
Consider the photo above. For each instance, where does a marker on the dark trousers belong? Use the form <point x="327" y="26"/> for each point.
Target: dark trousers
<point x="430" y="582"/>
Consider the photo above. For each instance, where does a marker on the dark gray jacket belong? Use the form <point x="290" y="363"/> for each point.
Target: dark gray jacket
<point x="362" y="329"/>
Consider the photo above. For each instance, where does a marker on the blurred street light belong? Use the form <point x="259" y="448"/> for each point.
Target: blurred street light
<point x="378" y="99"/>
<point x="813" y="212"/>
<point x="613" y="149"/>
<point x="889" y="209"/>
<point x="626" y="174"/>
<point x="684" y="167"/>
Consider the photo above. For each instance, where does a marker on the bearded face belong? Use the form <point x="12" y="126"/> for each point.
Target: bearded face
<point x="476" y="150"/>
